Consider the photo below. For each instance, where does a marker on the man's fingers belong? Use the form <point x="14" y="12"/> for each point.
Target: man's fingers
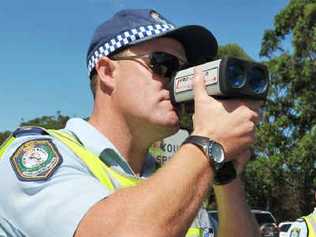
<point x="198" y="83"/>
<point x="255" y="105"/>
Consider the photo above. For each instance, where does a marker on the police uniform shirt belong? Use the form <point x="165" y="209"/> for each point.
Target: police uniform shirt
<point x="299" y="228"/>
<point x="54" y="207"/>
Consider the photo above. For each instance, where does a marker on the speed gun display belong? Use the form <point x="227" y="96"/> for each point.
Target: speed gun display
<point x="225" y="78"/>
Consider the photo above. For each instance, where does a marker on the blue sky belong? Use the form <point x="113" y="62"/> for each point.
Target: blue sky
<point x="43" y="46"/>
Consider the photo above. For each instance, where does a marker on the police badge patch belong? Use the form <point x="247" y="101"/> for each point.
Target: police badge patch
<point x="36" y="160"/>
<point x="295" y="232"/>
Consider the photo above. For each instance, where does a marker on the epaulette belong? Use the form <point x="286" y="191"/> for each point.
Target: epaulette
<point x="28" y="131"/>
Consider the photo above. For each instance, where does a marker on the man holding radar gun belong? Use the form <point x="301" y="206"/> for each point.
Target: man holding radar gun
<point x="95" y="178"/>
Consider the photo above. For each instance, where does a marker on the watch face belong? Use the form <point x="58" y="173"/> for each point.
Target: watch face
<point x="217" y="152"/>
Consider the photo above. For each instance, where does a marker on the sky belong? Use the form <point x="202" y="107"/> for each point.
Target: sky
<point x="43" y="46"/>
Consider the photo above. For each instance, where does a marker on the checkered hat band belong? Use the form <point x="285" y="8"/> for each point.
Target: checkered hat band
<point x="126" y="38"/>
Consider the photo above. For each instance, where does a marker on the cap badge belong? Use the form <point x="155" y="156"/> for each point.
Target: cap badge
<point x="158" y="18"/>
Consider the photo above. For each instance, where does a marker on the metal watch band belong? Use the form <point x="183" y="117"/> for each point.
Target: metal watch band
<point x="224" y="172"/>
<point x="204" y="143"/>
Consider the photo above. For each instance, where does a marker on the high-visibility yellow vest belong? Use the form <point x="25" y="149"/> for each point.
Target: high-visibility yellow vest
<point x="102" y="172"/>
<point x="311" y="224"/>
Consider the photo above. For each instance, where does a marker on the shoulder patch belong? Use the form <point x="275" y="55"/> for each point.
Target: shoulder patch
<point x="295" y="232"/>
<point x="36" y="160"/>
<point x="26" y="131"/>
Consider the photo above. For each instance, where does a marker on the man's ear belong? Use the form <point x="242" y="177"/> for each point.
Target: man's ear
<point x="105" y="69"/>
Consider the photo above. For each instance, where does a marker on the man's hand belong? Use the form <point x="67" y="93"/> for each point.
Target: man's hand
<point x="230" y="122"/>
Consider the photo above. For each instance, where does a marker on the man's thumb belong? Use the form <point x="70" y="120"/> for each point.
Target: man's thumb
<point x="198" y="84"/>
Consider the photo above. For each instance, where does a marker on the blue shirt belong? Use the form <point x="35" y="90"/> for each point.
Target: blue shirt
<point x="55" y="207"/>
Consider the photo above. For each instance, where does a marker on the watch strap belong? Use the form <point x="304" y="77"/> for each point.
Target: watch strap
<point x="225" y="174"/>
<point x="199" y="141"/>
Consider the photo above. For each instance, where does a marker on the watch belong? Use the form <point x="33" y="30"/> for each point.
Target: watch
<point x="225" y="171"/>
<point x="213" y="150"/>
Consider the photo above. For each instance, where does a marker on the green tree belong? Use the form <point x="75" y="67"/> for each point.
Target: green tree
<point x="233" y="50"/>
<point x="286" y="143"/>
<point x="54" y="122"/>
<point x="4" y="136"/>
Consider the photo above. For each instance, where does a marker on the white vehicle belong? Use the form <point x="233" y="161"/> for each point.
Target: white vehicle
<point x="267" y="223"/>
<point x="265" y="219"/>
<point x="284" y="228"/>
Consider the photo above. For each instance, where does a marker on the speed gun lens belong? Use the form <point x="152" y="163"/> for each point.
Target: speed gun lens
<point x="257" y="80"/>
<point x="236" y="75"/>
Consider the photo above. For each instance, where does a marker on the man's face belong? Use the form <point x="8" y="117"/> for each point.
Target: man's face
<point x="141" y="95"/>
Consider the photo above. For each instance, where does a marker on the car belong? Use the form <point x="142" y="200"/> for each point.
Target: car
<point x="284" y="228"/>
<point x="269" y="230"/>
<point x="267" y="223"/>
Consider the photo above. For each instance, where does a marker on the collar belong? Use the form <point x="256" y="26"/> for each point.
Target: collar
<point x="101" y="146"/>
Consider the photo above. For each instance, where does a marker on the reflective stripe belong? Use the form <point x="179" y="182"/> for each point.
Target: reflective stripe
<point x="103" y="172"/>
<point x="311" y="224"/>
<point x="63" y="135"/>
<point x="5" y="145"/>
<point x="96" y="166"/>
<point x="194" y="232"/>
<point x="93" y="164"/>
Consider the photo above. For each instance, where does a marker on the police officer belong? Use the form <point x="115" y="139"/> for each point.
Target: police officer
<point x="94" y="178"/>
<point x="306" y="225"/>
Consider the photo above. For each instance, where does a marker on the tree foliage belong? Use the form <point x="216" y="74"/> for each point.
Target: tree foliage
<point x="233" y="50"/>
<point x="54" y="122"/>
<point x="3" y="136"/>
<point x="285" y="169"/>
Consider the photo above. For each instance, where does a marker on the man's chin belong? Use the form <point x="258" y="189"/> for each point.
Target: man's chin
<point x="171" y="128"/>
<point x="173" y="121"/>
<point x="167" y="124"/>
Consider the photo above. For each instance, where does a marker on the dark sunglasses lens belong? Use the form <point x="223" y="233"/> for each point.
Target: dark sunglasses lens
<point x="164" y="64"/>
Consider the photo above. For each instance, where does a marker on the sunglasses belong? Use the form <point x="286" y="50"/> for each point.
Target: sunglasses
<point x="161" y="63"/>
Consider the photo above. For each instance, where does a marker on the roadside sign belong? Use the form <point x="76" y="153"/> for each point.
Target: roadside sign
<point x="163" y="150"/>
